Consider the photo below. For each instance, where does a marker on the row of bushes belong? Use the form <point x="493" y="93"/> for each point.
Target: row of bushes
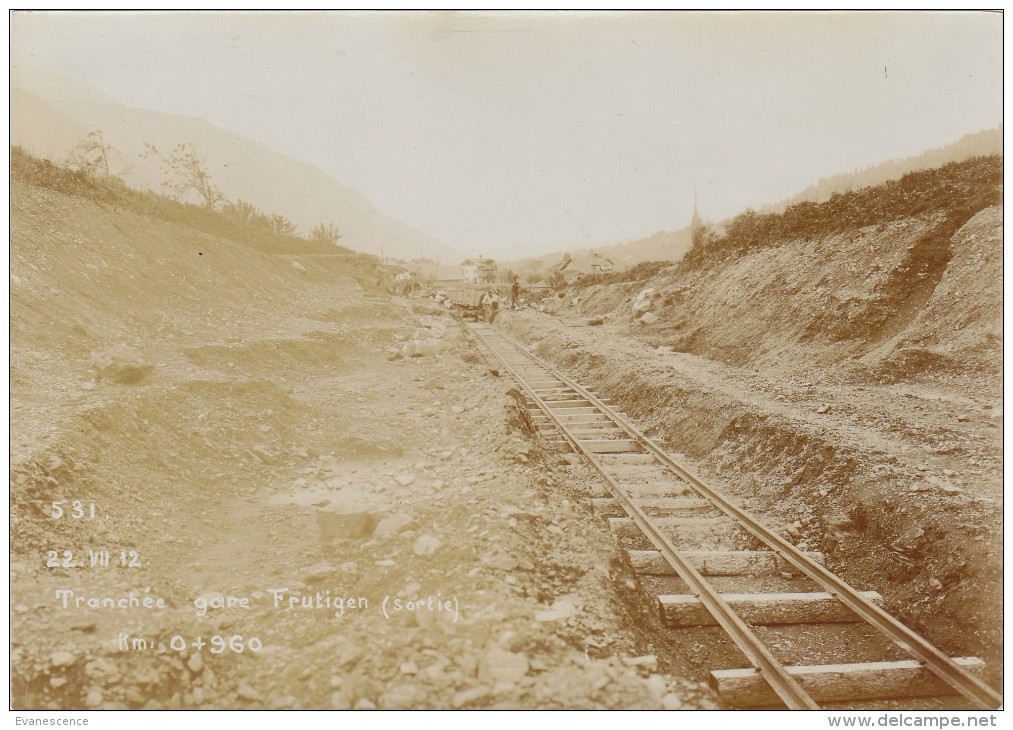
<point x="225" y="223"/>
<point x="638" y="272"/>
<point x="959" y="190"/>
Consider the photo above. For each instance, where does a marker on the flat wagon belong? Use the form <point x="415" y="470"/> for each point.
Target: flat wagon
<point x="467" y="301"/>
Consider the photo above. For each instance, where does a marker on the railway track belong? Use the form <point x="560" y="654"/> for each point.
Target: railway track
<point x="808" y="636"/>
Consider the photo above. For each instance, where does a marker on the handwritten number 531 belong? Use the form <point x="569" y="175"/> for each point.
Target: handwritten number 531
<point x="77" y="510"/>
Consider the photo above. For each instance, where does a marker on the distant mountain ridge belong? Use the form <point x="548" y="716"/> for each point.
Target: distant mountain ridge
<point x="49" y="117"/>
<point x="660" y="246"/>
<point x="977" y="144"/>
<point x="672" y="245"/>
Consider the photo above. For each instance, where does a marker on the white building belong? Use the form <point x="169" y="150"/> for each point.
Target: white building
<point x="469" y="271"/>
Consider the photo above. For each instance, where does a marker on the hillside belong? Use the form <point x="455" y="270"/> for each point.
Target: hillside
<point x="89" y="276"/>
<point x="48" y="118"/>
<point x="199" y="420"/>
<point x="978" y="144"/>
<point x="49" y="133"/>
<point x="672" y="245"/>
<point x="848" y="284"/>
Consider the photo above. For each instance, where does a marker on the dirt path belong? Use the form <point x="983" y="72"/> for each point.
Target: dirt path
<point x="950" y="435"/>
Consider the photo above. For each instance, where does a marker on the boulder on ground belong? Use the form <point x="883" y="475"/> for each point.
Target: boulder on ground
<point x="500" y="665"/>
<point x="423" y="347"/>
<point x="644" y="301"/>
<point x="346" y="525"/>
<point x="121" y="364"/>
<point x="426" y="545"/>
<point x="391" y="525"/>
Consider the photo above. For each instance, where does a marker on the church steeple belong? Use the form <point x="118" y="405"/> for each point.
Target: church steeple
<point x="696" y="227"/>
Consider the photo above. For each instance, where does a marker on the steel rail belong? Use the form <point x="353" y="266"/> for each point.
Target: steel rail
<point x="911" y="642"/>
<point x="775" y="674"/>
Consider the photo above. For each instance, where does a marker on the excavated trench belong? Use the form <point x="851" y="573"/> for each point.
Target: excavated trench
<point x="935" y="558"/>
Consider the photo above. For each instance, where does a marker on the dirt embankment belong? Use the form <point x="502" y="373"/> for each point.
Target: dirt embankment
<point x="849" y="382"/>
<point x="882" y="303"/>
<point x="253" y="428"/>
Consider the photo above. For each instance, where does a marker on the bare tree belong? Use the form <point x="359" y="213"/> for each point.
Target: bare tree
<point x="325" y="233"/>
<point x="282" y="226"/>
<point x="244" y="212"/>
<point x="185" y="172"/>
<point x="91" y="155"/>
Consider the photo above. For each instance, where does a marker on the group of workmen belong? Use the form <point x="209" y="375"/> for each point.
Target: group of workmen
<point x="490" y="302"/>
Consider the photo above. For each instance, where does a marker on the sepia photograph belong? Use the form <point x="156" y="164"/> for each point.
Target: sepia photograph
<point x="506" y="360"/>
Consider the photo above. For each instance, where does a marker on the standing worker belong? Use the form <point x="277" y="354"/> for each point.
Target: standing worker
<point x="490" y="305"/>
<point x="515" y="290"/>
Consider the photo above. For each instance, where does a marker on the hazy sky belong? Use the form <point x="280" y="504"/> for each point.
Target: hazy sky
<point x="510" y="133"/>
